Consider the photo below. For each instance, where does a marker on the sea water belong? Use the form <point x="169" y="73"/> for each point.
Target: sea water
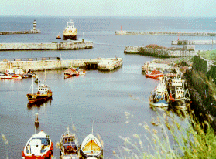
<point x="114" y="103"/>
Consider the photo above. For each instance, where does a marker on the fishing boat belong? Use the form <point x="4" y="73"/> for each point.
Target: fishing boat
<point x="70" y="31"/>
<point x="179" y="94"/>
<point x="91" y="148"/>
<point x="69" y="146"/>
<point x="71" y="72"/>
<point x="39" y="146"/>
<point x="159" y="96"/>
<point x="43" y="94"/>
<point x="154" y="74"/>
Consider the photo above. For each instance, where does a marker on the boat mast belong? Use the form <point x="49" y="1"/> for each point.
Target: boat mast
<point x="32" y="84"/>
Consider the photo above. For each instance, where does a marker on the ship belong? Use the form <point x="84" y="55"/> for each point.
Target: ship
<point x="70" y="31"/>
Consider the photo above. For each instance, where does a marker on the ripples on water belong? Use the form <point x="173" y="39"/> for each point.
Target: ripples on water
<point x="98" y="96"/>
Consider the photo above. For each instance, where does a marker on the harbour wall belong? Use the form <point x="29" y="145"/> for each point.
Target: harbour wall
<point x="193" y="42"/>
<point x="46" y="46"/>
<point x="202" y="87"/>
<point x="166" y="33"/>
<point x="50" y="64"/>
<point x="20" y="32"/>
<point x="164" y="53"/>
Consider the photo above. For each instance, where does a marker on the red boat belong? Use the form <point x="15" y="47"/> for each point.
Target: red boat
<point x="39" y="146"/>
<point x="154" y="74"/>
<point x="71" y="72"/>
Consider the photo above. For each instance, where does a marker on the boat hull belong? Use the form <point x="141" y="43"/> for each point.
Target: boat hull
<point x="38" y="98"/>
<point x="159" y="104"/>
<point x="71" y="37"/>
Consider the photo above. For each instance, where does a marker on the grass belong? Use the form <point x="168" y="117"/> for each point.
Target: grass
<point x="171" y="140"/>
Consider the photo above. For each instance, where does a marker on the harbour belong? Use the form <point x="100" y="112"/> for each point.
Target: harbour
<point x="117" y="102"/>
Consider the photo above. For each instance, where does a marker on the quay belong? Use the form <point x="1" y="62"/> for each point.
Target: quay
<point x="159" y="51"/>
<point x="166" y="33"/>
<point x="71" y="45"/>
<point x="57" y="63"/>
<point x="193" y="42"/>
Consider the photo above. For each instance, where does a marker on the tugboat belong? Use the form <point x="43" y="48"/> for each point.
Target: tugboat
<point x="44" y="93"/>
<point x="69" y="146"/>
<point x="38" y="146"/>
<point x="70" y="31"/>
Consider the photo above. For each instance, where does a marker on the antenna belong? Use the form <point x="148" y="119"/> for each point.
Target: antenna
<point x="92" y="126"/>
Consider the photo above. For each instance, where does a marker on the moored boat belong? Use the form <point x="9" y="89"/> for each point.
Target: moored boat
<point x="91" y="148"/>
<point x="43" y="94"/>
<point x="71" y="72"/>
<point x="39" y="146"/>
<point x="154" y="74"/>
<point x="70" y="31"/>
<point x="5" y="76"/>
<point x="69" y="146"/>
<point x="159" y="96"/>
<point x="58" y="36"/>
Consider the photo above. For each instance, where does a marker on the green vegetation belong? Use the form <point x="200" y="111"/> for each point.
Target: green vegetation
<point x="169" y="139"/>
<point x="210" y="55"/>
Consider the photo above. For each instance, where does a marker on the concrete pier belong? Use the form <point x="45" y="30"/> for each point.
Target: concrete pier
<point x="194" y="42"/>
<point x="74" y="45"/>
<point x="166" y="33"/>
<point x="57" y="63"/>
<point x="163" y="52"/>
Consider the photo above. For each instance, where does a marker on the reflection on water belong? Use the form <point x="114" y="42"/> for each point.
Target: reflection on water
<point x="40" y="103"/>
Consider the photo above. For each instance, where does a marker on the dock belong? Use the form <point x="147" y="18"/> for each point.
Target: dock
<point x="194" y="42"/>
<point x="51" y="63"/>
<point x="71" y="45"/>
<point x="166" y="33"/>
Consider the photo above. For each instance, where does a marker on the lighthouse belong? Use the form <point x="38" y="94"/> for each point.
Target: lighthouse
<point x="34" y="25"/>
<point x="34" y="30"/>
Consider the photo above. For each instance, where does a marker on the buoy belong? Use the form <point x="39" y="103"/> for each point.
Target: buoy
<point x="36" y="120"/>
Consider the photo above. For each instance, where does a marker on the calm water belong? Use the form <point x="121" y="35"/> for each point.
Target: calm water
<point x="100" y="97"/>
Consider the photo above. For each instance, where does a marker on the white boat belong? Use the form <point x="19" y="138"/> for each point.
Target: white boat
<point x="5" y="76"/>
<point x="69" y="146"/>
<point x="159" y="96"/>
<point x="179" y="94"/>
<point x="38" y="146"/>
<point x="70" y="31"/>
<point x="91" y="148"/>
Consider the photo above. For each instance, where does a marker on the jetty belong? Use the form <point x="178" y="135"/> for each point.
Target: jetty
<point x="53" y="63"/>
<point x="166" y="33"/>
<point x="194" y="42"/>
<point x="159" y="51"/>
<point x="32" y="31"/>
<point x="71" y="45"/>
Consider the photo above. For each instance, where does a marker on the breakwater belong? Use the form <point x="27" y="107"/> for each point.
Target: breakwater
<point x="20" y="32"/>
<point x="159" y="52"/>
<point x="166" y="33"/>
<point x="193" y="42"/>
<point x="75" y="45"/>
<point x="57" y="63"/>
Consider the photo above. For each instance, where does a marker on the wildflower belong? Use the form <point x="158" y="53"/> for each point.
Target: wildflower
<point x="146" y="127"/>
<point x="3" y="137"/>
<point x="164" y="115"/>
<point x="154" y="131"/>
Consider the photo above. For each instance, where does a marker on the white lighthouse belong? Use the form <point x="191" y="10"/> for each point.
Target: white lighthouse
<point x="34" y="30"/>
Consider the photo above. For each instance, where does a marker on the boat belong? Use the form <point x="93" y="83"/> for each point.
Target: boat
<point x="179" y="94"/>
<point x="69" y="146"/>
<point x="70" y="31"/>
<point x="5" y="76"/>
<point x="82" y="72"/>
<point x="71" y="72"/>
<point x="43" y="94"/>
<point x="39" y="146"/>
<point x="58" y="36"/>
<point x="154" y="74"/>
<point x="159" y="96"/>
<point x="91" y="148"/>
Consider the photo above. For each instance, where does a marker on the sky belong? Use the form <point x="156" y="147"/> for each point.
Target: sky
<point x="171" y="8"/>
